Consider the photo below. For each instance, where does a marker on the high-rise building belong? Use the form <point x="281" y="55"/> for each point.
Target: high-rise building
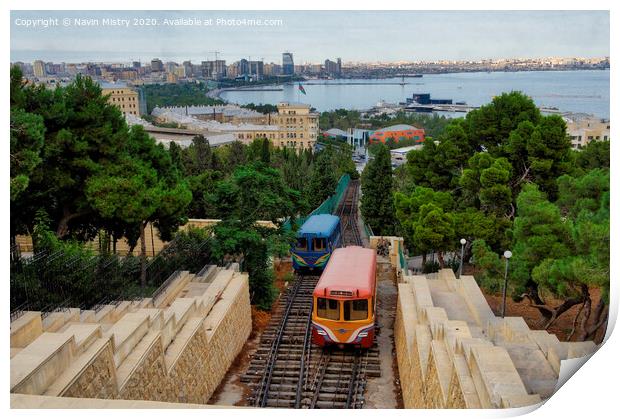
<point x="180" y="71"/>
<point x="50" y="68"/>
<point x="157" y="65"/>
<point x="72" y="69"/>
<point x="205" y="69"/>
<point x="93" y="70"/>
<point x="232" y="70"/>
<point x="21" y="65"/>
<point x="244" y="67"/>
<point x="172" y="78"/>
<point x="273" y="69"/>
<point x="288" y="66"/>
<point x="331" y="67"/>
<point x="256" y="69"/>
<point x="213" y="69"/>
<point x="170" y="67"/>
<point x="136" y="64"/>
<point x="189" y="68"/>
<point x="219" y="67"/>
<point x="39" y="68"/>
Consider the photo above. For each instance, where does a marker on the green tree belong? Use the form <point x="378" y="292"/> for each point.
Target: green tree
<point x="472" y="224"/>
<point x="593" y="156"/>
<point x="377" y="204"/>
<point x="257" y="192"/>
<point x="236" y="155"/>
<point x="437" y="165"/>
<point x="254" y="192"/>
<point x="262" y="108"/>
<point x="197" y="157"/>
<point x="323" y="179"/>
<point x="27" y="136"/>
<point x="144" y="187"/>
<point x="489" y="127"/>
<point x="582" y="193"/>
<point x="538" y="233"/>
<point x="343" y="162"/>
<point x="203" y="188"/>
<point x="490" y="265"/>
<point x="435" y="229"/>
<point x="265" y="152"/>
<point x="485" y="184"/>
<point x="248" y="245"/>
<point x="586" y="266"/>
<point x="83" y="136"/>
<point x="549" y="153"/>
<point x="176" y="154"/>
<point x="410" y="216"/>
<point x="177" y="94"/>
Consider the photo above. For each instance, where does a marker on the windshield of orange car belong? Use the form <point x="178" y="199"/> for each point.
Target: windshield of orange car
<point x="355" y="310"/>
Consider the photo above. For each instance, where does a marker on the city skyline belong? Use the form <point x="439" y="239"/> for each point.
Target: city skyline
<point x="147" y="61"/>
<point x="310" y="36"/>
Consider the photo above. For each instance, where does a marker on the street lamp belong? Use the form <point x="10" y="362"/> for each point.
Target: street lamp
<point x="463" y="241"/>
<point x="507" y="255"/>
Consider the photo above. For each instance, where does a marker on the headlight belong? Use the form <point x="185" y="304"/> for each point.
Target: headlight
<point x="363" y="334"/>
<point x="321" y="332"/>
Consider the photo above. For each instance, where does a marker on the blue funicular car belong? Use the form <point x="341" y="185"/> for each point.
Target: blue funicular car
<point x="316" y="240"/>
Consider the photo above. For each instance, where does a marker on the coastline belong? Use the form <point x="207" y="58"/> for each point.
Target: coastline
<point x="386" y="89"/>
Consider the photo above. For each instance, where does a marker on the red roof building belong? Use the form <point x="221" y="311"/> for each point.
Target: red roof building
<point x="398" y="133"/>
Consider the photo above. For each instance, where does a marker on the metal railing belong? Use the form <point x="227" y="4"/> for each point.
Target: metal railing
<point x="166" y="284"/>
<point x="50" y="279"/>
<point x="402" y="259"/>
<point x="368" y="230"/>
<point x="328" y="206"/>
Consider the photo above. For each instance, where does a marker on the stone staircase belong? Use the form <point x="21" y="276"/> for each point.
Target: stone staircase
<point x="139" y="349"/>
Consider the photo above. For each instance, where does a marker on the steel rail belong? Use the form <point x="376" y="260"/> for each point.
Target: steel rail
<point x="263" y="388"/>
<point x="302" y="366"/>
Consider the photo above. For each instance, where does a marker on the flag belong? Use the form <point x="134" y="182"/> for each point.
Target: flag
<point x="301" y="89"/>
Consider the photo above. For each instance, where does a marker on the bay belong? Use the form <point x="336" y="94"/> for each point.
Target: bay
<point x="584" y="91"/>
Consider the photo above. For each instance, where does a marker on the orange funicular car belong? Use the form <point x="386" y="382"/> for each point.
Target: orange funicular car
<point x="344" y="299"/>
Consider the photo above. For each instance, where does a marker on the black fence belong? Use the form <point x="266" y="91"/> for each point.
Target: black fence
<point x="52" y="280"/>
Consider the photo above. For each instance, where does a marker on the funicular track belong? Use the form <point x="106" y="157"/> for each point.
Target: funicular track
<point x="347" y="211"/>
<point x="287" y="370"/>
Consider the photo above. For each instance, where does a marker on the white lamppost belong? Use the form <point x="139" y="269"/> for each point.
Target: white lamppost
<point x="463" y="241"/>
<point x="507" y="255"/>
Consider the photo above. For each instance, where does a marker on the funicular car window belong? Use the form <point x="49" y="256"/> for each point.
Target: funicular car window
<point x="356" y="310"/>
<point x="302" y="244"/>
<point x="318" y="244"/>
<point x="327" y="308"/>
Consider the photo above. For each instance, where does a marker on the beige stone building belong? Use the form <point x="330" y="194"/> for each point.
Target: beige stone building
<point x="122" y="96"/>
<point x="294" y="126"/>
<point x="584" y="130"/>
<point x="298" y="126"/>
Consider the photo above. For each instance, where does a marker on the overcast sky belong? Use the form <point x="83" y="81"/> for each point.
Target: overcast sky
<point x="314" y="36"/>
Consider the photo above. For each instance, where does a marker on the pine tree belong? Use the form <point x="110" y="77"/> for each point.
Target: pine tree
<point x="377" y="204"/>
<point x="323" y="180"/>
